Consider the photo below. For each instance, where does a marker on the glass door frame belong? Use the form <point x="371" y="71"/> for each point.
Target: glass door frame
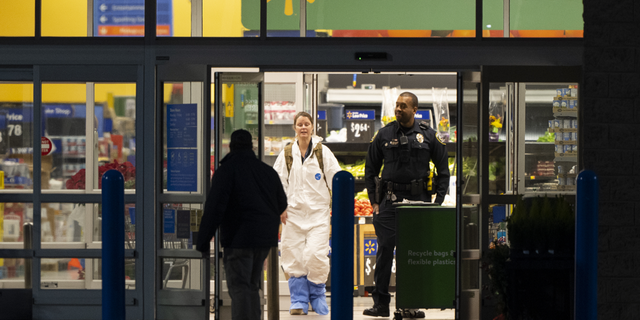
<point x="233" y="74"/>
<point x="179" y="303"/>
<point x="508" y="74"/>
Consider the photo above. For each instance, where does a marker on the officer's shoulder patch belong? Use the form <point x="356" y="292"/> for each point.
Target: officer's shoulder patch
<point x="424" y="125"/>
<point x="438" y="137"/>
<point x="374" y="136"/>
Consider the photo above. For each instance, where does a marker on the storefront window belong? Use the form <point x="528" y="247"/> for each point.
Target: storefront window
<point x="13" y="216"/>
<point x="16" y="141"/>
<point x="551" y="138"/>
<point x="501" y="144"/>
<point x="17" y="18"/>
<point x="12" y="273"/>
<point x="80" y="273"/>
<point x="73" y="163"/>
<point x="177" y="228"/>
<point x="534" y="19"/>
<point x="180" y="224"/>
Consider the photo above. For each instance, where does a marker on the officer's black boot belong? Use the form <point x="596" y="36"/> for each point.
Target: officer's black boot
<point x="377" y="310"/>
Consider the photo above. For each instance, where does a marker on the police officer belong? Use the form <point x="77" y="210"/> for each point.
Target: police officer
<point x="405" y="147"/>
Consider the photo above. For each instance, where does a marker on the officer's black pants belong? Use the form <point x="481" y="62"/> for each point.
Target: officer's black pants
<point x="385" y="226"/>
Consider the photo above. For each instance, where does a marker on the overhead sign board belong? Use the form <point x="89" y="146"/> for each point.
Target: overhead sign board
<point x="125" y="18"/>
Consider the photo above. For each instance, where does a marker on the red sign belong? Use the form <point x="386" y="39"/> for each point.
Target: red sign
<point x="45" y="146"/>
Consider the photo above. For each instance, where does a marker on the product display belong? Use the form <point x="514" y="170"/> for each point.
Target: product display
<point x="551" y="160"/>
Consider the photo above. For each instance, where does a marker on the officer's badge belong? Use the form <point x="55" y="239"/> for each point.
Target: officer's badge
<point x="419" y="137"/>
<point x="439" y="140"/>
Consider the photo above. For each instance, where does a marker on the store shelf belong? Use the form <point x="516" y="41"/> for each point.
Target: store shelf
<point x="541" y="178"/>
<point x="565" y="113"/>
<point x="562" y="130"/>
<point x="279" y="122"/>
<point x="560" y="157"/>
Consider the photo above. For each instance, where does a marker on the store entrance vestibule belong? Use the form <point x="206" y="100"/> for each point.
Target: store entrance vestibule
<point x="332" y="97"/>
<point x="184" y="282"/>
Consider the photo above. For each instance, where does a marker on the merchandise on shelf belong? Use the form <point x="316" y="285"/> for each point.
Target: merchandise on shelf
<point x="279" y="110"/>
<point x="274" y="145"/>
<point x="357" y="169"/>
<point x="496" y="115"/>
<point x="362" y="207"/>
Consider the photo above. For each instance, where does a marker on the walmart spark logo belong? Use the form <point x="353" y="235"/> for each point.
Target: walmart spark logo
<point x="370" y="246"/>
<point x="288" y="6"/>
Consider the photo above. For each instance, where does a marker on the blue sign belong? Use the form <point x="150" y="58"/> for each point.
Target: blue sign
<point x="125" y="18"/>
<point x="182" y="170"/>
<point x="361" y="115"/>
<point x="370" y="247"/>
<point x="169" y="219"/>
<point x="182" y="126"/>
<point x="322" y="115"/>
<point x="19" y="115"/>
<point x="58" y="111"/>
<point x="423" y="115"/>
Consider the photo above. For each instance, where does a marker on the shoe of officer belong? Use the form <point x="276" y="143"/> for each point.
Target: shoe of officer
<point x="412" y="313"/>
<point x="377" y="310"/>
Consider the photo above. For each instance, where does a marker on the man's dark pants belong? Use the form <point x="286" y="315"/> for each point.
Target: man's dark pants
<point x="244" y="269"/>
<point x="385" y="226"/>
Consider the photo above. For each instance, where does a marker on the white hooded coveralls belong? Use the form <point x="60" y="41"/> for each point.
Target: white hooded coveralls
<point x="305" y="236"/>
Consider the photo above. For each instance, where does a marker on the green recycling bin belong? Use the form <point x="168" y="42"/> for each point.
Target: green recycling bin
<point x="425" y="256"/>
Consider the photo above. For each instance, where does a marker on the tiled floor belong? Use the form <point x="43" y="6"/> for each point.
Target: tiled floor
<point x="359" y="304"/>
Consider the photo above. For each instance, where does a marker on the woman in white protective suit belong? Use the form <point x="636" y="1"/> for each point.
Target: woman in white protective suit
<point x="306" y="168"/>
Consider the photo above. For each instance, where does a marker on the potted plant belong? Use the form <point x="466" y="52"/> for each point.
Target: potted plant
<point x="541" y="226"/>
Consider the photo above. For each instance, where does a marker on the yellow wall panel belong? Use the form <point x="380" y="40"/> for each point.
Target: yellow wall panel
<point x="222" y="18"/>
<point x="16" y="92"/>
<point x="66" y="18"/>
<point x="17" y="18"/>
<point x="181" y="18"/>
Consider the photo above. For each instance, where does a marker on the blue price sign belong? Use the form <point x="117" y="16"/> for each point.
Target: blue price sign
<point x="360" y="125"/>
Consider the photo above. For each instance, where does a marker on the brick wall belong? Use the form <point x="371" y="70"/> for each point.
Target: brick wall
<point x="611" y="147"/>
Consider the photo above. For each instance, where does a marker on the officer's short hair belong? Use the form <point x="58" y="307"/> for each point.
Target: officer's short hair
<point x="413" y="97"/>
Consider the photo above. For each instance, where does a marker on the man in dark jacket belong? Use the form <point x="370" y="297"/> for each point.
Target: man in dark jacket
<point x="248" y="202"/>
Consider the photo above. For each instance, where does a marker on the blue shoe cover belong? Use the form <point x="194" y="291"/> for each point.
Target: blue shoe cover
<point x="318" y="298"/>
<point x="299" y="291"/>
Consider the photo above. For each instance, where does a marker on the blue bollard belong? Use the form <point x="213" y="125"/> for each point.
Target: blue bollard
<point x="113" y="246"/>
<point x="342" y="247"/>
<point x="586" y="265"/>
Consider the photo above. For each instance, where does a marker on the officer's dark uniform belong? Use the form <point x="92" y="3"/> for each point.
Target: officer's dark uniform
<point x="405" y="154"/>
